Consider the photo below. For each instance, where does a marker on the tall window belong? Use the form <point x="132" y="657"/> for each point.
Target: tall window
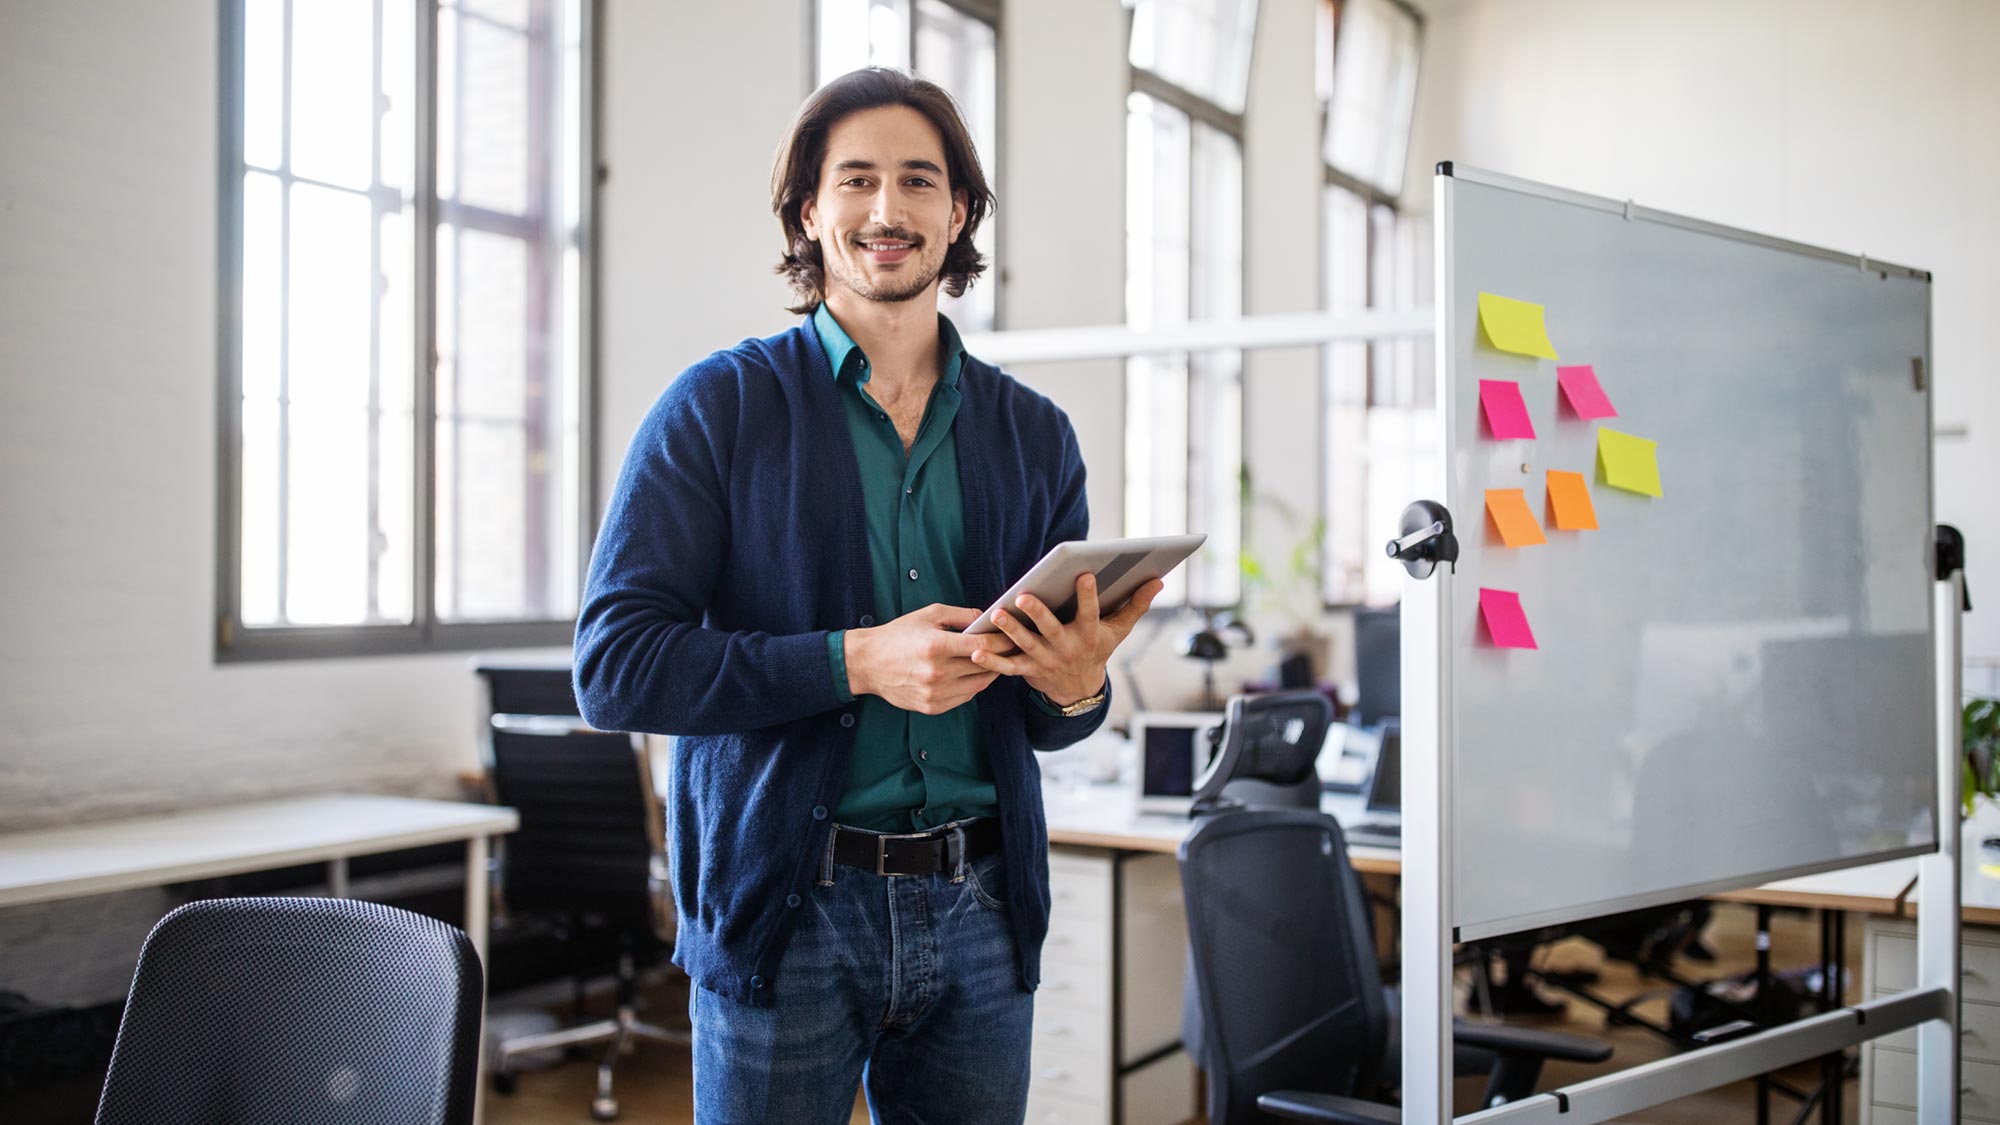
<point x="406" y="262"/>
<point x="1184" y="261"/>
<point x="956" y="44"/>
<point x="1380" y="394"/>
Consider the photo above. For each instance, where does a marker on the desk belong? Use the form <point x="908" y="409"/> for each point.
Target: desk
<point x="123" y="855"/>
<point x="1108" y="816"/>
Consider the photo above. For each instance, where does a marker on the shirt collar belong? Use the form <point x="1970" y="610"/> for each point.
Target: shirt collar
<point x="840" y="347"/>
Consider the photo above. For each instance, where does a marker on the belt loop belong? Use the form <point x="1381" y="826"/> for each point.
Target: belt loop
<point x="955" y="852"/>
<point x="826" y="859"/>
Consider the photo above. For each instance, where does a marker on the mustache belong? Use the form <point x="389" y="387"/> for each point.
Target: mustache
<point x="890" y="234"/>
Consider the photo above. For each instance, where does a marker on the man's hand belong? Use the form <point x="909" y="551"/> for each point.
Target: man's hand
<point x="921" y="661"/>
<point x="1066" y="662"/>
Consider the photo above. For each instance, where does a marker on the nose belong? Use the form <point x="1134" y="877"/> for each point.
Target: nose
<point x="890" y="205"/>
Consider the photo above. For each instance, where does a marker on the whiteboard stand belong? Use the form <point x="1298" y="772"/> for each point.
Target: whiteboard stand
<point x="1430" y="927"/>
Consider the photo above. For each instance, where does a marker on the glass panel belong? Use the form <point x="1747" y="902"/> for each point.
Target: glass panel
<point x="958" y="53"/>
<point x="1202" y="46"/>
<point x="263" y="83"/>
<point x="1156" y="455"/>
<point x="399" y="98"/>
<point x="1374" y="91"/>
<point x="494" y="147"/>
<point x="508" y="342"/>
<point x="333" y="97"/>
<point x="1216" y="431"/>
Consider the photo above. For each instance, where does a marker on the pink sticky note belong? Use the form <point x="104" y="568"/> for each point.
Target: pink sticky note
<point x="1508" y="626"/>
<point x="1506" y="414"/>
<point x="1586" y="396"/>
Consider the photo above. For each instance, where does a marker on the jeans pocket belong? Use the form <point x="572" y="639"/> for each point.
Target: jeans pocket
<point x="983" y="877"/>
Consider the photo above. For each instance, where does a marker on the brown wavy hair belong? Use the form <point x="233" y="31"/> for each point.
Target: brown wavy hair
<point x="795" y="175"/>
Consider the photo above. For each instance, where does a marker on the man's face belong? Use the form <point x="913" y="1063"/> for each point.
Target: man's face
<point x="885" y="213"/>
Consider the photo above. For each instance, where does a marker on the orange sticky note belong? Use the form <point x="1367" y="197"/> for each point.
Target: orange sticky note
<point x="1509" y="509"/>
<point x="1569" y="501"/>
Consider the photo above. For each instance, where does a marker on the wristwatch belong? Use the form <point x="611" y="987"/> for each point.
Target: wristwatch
<point x="1082" y="706"/>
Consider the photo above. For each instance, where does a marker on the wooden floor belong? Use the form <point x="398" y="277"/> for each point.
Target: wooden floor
<point x="653" y="1082"/>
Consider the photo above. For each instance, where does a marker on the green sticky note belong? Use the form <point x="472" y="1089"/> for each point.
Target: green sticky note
<point x="1515" y="326"/>
<point x="1628" y="462"/>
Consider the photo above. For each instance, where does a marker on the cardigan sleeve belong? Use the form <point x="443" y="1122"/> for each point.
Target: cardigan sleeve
<point x="644" y="660"/>
<point x="1048" y="730"/>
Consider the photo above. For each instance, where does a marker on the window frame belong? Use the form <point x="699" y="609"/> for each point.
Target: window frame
<point x="1199" y="109"/>
<point x="1373" y="197"/>
<point x="233" y="641"/>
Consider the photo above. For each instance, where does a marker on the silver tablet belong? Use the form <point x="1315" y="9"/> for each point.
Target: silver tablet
<point x="1121" y="566"/>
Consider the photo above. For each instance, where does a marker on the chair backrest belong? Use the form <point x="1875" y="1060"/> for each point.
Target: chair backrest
<point x="1289" y="989"/>
<point x="302" y="1010"/>
<point x="591" y="825"/>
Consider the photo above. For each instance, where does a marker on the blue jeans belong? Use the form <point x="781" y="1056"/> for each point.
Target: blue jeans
<point x="905" y="984"/>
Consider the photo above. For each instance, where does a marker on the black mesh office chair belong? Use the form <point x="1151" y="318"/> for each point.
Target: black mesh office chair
<point x="589" y="855"/>
<point x="309" y="1011"/>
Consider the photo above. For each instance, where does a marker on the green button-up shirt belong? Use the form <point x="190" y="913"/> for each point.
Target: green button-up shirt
<point x="909" y="771"/>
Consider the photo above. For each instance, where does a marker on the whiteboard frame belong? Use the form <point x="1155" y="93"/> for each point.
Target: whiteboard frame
<point x="1428" y="932"/>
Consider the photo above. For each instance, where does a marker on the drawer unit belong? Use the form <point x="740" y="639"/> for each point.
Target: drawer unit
<point x="1889" y="1064"/>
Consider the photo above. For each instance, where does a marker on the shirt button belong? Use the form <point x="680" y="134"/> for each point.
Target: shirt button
<point x="913" y="574"/>
<point x="847" y="720"/>
<point x="866" y="620"/>
<point x="819" y="812"/>
<point x="911" y="491"/>
<point x="923" y="755"/>
<point x="756" y="982"/>
<point x="791" y="900"/>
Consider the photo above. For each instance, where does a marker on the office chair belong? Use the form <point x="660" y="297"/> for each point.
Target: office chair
<point x="589" y="855"/>
<point x="1298" y="1025"/>
<point x="310" y="1011"/>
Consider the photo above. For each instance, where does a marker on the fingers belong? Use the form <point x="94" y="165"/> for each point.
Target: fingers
<point x="949" y="616"/>
<point x="1086" y="602"/>
<point x="1017" y="631"/>
<point x="1043" y="617"/>
<point x="1005" y="665"/>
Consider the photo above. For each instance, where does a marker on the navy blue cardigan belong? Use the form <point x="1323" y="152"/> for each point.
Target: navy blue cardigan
<point x="735" y="542"/>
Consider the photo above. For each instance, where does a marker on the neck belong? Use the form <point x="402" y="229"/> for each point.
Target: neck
<point x="900" y="338"/>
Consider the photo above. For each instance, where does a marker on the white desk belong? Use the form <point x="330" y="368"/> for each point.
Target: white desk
<point x="1108" y="816"/>
<point x="121" y="855"/>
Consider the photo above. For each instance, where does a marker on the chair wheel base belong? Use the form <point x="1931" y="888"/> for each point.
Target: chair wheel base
<point x="504" y="1084"/>
<point x="604" y="1109"/>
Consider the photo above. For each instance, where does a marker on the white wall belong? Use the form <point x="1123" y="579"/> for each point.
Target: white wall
<point x="1855" y="124"/>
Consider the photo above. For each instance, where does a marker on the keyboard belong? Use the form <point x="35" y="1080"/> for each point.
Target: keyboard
<point x="1380" y="829"/>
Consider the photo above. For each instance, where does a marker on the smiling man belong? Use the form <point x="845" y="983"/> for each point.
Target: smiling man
<point x="803" y="527"/>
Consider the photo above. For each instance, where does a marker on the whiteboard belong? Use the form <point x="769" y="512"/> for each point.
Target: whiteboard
<point x="1733" y="681"/>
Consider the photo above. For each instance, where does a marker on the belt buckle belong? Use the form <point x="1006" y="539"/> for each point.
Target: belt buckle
<point x="882" y="849"/>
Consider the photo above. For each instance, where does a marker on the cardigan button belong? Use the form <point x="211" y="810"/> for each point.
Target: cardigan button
<point x="792" y="900"/>
<point x="846" y="719"/>
<point x="867" y="620"/>
<point x="819" y="812"/>
<point x="756" y="982"/>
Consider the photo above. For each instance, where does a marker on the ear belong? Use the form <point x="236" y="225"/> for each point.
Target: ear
<point x="809" y="216"/>
<point x="961" y="203"/>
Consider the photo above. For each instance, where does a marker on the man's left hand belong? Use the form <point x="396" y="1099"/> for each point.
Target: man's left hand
<point x="1065" y="662"/>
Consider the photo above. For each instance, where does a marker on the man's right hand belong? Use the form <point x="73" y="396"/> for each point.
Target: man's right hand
<point x="921" y="661"/>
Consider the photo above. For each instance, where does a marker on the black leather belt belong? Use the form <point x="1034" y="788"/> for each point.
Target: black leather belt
<point x="939" y="850"/>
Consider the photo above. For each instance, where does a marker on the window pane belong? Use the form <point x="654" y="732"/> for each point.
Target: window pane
<point x="1202" y="46"/>
<point x="508" y="375"/>
<point x="957" y="52"/>
<point x="333" y="97"/>
<point x="858" y="33"/>
<point x="263" y="83"/>
<point x="1374" y="90"/>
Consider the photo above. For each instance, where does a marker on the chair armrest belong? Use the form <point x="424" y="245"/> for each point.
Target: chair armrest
<point x="1504" y="1040"/>
<point x="1299" y="1105"/>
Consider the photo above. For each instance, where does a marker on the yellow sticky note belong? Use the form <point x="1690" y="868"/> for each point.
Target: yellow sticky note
<point x="1515" y="326"/>
<point x="1509" y="509"/>
<point x="1628" y="462"/>
<point x="1569" y="502"/>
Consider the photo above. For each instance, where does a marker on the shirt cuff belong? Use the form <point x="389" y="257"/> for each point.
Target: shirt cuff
<point x="1042" y="701"/>
<point x="836" y="655"/>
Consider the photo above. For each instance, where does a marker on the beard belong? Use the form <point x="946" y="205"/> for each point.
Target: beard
<point x="894" y="288"/>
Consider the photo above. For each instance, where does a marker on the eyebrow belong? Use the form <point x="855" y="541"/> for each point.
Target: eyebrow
<point x="869" y="166"/>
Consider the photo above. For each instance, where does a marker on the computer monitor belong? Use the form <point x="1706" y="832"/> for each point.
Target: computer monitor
<point x="1378" y="665"/>
<point x="1385" y="788"/>
<point x="1173" y="750"/>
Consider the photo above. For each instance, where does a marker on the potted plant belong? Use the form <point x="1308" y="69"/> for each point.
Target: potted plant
<point x="1980" y="733"/>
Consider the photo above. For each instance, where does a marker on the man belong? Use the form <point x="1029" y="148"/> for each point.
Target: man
<point x="803" y="527"/>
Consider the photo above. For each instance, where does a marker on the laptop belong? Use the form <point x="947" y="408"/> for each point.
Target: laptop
<point x="1382" y="825"/>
